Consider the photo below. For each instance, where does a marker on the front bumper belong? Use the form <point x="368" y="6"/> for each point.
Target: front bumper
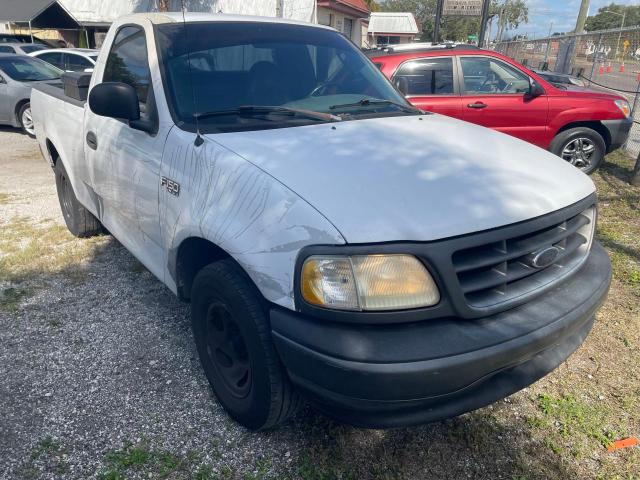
<point x="618" y="132"/>
<point x="402" y="374"/>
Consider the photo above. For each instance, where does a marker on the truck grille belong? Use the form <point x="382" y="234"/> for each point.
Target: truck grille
<point x="502" y="271"/>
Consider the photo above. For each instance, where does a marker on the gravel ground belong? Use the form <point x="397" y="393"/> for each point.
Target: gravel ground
<point x="99" y="378"/>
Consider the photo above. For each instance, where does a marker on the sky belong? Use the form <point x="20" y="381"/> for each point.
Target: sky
<point x="563" y="14"/>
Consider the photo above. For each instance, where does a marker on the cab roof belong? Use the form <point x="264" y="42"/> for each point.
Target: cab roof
<point x="193" y="17"/>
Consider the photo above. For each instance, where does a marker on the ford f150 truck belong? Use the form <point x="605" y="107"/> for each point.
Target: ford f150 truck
<point x="335" y="243"/>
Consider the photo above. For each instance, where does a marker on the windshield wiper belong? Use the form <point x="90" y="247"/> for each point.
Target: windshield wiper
<point x="365" y="102"/>
<point x="262" y="109"/>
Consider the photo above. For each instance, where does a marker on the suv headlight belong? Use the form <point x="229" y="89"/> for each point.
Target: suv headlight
<point x="367" y="282"/>
<point x="624" y="107"/>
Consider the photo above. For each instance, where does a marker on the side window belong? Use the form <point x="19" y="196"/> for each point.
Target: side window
<point x="128" y="62"/>
<point x="54" y="58"/>
<point x="492" y="76"/>
<point x="428" y="76"/>
<point x="76" y="63"/>
<point x="6" y="49"/>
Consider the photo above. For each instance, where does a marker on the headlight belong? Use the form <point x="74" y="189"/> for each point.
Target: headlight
<point x="624" y="107"/>
<point x="368" y="282"/>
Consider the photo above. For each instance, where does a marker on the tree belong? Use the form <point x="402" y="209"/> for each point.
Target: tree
<point x="604" y="20"/>
<point x="511" y="13"/>
<point x="373" y="5"/>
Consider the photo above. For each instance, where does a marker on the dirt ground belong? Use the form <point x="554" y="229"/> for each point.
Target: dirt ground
<point x="99" y="377"/>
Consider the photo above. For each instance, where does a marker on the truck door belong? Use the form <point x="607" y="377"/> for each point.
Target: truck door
<point x="429" y="84"/>
<point x="125" y="162"/>
<point x="495" y="96"/>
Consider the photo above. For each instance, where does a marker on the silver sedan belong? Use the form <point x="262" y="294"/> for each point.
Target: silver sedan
<point x="17" y="75"/>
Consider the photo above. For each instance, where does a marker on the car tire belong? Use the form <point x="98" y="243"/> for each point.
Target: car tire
<point x="26" y="120"/>
<point x="583" y="147"/>
<point x="233" y="339"/>
<point x="80" y="221"/>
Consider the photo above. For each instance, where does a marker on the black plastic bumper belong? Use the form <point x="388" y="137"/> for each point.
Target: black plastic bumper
<point x="618" y="132"/>
<point x="403" y="374"/>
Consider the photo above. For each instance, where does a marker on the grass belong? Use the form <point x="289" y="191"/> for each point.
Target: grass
<point x="32" y="253"/>
<point x="49" y="454"/>
<point x="4" y="198"/>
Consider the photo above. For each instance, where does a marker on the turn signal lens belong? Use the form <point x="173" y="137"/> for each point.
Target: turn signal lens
<point x="624" y="107"/>
<point x="368" y="282"/>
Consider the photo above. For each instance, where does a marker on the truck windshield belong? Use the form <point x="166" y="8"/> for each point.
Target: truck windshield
<point x="211" y="67"/>
<point x="26" y="69"/>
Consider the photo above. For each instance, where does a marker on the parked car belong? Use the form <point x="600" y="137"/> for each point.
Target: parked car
<point x="18" y="74"/>
<point x="559" y="79"/>
<point x="21" y="38"/>
<point x="69" y="59"/>
<point x="492" y="90"/>
<point x="21" y="48"/>
<point x="391" y="266"/>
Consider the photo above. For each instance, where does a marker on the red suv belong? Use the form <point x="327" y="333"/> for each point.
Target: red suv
<point x="492" y="90"/>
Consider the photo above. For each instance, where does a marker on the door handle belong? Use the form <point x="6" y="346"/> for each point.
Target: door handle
<point x="92" y="140"/>
<point x="477" y="105"/>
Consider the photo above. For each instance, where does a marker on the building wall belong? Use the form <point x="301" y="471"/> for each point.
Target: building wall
<point x="379" y="39"/>
<point x="340" y="22"/>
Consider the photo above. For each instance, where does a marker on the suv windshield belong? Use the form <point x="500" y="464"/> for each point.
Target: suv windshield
<point x="26" y="69"/>
<point x="33" y="48"/>
<point x="217" y="70"/>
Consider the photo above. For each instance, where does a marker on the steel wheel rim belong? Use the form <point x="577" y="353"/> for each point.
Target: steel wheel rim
<point x="27" y="121"/>
<point x="579" y="152"/>
<point x="227" y="351"/>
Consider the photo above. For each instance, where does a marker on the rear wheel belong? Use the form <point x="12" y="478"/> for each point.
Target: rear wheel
<point x="80" y="221"/>
<point x="582" y="147"/>
<point x="234" y="343"/>
<point x="26" y="120"/>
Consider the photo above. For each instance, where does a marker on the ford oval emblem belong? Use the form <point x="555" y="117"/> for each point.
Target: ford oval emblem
<point x="544" y="257"/>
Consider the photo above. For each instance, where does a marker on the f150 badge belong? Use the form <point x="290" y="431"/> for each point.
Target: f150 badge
<point x="172" y="187"/>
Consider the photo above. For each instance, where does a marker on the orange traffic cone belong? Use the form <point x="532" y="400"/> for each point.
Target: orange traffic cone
<point x="601" y="71"/>
<point x="622" y="68"/>
<point x="609" y="69"/>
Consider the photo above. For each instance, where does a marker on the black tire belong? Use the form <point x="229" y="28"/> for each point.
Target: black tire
<point x="233" y="339"/>
<point x="80" y="221"/>
<point x="566" y="142"/>
<point x="25" y="119"/>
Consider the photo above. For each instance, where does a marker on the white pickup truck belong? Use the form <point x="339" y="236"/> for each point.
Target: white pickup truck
<point x="390" y="266"/>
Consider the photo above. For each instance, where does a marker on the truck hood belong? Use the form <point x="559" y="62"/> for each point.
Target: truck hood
<point x="415" y="178"/>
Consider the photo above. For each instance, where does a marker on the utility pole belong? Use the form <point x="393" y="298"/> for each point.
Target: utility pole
<point x="436" y="24"/>
<point x="483" y="22"/>
<point x="582" y="16"/>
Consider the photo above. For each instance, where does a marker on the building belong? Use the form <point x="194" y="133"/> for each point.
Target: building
<point x="347" y="16"/>
<point x="85" y="22"/>
<point x="390" y="28"/>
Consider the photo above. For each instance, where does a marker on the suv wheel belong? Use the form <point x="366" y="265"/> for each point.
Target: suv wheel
<point x="582" y="147"/>
<point x="233" y="339"/>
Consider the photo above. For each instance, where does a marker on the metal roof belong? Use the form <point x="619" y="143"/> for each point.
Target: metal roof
<point x="41" y="14"/>
<point x="393" y="22"/>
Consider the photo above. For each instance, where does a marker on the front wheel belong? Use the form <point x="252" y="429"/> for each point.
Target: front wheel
<point x="234" y="343"/>
<point x="26" y="120"/>
<point x="582" y="147"/>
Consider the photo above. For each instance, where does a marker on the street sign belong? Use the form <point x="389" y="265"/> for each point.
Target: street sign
<point x="462" y="7"/>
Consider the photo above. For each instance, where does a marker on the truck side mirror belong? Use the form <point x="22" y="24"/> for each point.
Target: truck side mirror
<point x="535" y="89"/>
<point x="115" y="100"/>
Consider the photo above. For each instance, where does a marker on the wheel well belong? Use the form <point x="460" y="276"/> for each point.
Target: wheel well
<point x="53" y="153"/>
<point x="19" y="106"/>
<point x="193" y="254"/>
<point x="593" y="125"/>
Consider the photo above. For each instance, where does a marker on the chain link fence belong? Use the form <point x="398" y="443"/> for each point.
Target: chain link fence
<point x="607" y="60"/>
